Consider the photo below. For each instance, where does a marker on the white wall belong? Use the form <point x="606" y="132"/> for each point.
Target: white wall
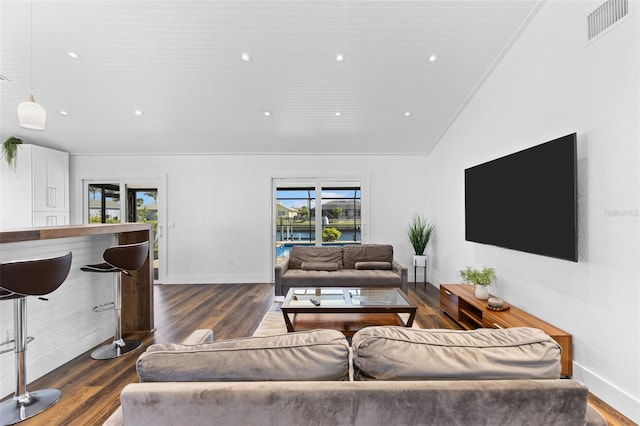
<point x="219" y="207"/>
<point x="550" y="84"/>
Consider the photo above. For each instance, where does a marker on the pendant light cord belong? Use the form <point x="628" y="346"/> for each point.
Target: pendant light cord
<point x="31" y="43"/>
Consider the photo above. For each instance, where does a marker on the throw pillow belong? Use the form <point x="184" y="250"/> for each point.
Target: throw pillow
<point x="307" y="355"/>
<point x="300" y="254"/>
<point x="398" y="353"/>
<point x="373" y="265"/>
<point x="320" y="266"/>
<point x="366" y="253"/>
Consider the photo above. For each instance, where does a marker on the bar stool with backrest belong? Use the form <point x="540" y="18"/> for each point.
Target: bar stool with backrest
<point x="122" y="259"/>
<point x="18" y="280"/>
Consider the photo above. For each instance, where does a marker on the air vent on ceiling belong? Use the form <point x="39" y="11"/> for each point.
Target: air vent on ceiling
<point x="605" y="16"/>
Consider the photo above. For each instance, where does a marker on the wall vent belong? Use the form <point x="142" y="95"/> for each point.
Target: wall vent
<point x="605" y="16"/>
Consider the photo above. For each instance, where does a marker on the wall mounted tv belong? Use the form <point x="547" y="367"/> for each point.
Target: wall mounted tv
<point x="526" y="201"/>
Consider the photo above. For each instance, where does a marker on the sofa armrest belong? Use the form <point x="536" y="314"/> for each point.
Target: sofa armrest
<point x="281" y="268"/>
<point x="203" y="335"/>
<point x="593" y="417"/>
<point x="115" y="419"/>
<point x="403" y="271"/>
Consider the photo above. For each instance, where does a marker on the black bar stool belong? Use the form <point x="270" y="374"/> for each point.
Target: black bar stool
<point x="17" y="281"/>
<point x="122" y="259"/>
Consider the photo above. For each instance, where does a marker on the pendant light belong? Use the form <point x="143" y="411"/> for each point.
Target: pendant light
<point x="31" y="114"/>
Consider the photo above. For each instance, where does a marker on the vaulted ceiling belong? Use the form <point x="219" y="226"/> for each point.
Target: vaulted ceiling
<point x="180" y="64"/>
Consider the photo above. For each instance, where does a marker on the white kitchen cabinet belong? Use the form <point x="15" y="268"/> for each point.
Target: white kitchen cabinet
<point x="50" y="218"/>
<point x="37" y="192"/>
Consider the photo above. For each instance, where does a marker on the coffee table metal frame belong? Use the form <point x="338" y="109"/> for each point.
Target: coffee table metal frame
<point x="347" y="308"/>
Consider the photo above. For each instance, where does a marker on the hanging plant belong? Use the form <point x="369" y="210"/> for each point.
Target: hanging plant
<point x="10" y="151"/>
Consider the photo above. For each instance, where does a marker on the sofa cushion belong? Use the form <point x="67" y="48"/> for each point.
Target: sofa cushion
<point x="319" y="266"/>
<point x="398" y="353"/>
<point x="310" y="355"/>
<point x="373" y="265"/>
<point x="300" y="254"/>
<point x="366" y="253"/>
<point x="341" y="278"/>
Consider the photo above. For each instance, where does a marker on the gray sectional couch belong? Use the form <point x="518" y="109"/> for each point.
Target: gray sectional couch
<point x="366" y="265"/>
<point x="388" y="376"/>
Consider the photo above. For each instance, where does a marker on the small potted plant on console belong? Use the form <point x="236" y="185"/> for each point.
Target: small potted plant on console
<point x="480" y="279"/>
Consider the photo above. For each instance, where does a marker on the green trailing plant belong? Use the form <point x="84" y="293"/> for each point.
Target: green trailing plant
<point x="419" y="232"/>
<point x="477" y="277"/>
<point x="10" y="151"/>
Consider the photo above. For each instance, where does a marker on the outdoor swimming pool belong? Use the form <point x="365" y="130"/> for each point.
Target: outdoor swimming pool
<point x="283" y="249"/>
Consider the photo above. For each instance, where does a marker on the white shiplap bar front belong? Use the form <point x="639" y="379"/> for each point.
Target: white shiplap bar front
<point x="66" y="326"/>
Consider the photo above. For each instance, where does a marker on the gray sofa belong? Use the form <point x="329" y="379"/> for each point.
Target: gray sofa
<point x="366" y="265"/>
<point x="388" y="376"/>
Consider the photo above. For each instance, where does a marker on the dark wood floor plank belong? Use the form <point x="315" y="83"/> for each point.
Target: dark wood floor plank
<point x="91" y="388"/>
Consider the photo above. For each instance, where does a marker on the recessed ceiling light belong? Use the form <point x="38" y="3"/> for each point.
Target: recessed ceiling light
<point x="267" y="113"/>
<point x="339" y="57"/>
<point x="407" y="114"/>
<point x="73" y="55"/>
<point x="338" y="114"/>
<point x="138" y="112"/>
<point x="245" y="57"/>
<point x="63" y="112"/>
<point x="433" y="58"/>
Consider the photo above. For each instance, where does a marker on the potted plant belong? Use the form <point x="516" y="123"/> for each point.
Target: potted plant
<point x="10" y="151"/>
<point x="480" y="279"/>
<point x="419" y="234"/>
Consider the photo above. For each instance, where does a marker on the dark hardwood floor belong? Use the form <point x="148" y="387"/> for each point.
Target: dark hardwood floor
<point x="91" y="388"/>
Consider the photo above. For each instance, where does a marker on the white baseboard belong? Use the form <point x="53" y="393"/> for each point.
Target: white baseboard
<point x="214" y="279"/>
<point x="617" y="398"/>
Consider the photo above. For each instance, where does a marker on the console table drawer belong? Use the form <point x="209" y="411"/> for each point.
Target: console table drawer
<point x="449" y="303"/>
<point x="489" y="321"/>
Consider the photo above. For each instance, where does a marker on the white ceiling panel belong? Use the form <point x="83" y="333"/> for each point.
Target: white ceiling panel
<point x="180" y="63"/>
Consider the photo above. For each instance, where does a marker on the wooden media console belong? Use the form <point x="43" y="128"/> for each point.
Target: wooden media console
<point x="459" y="302"/>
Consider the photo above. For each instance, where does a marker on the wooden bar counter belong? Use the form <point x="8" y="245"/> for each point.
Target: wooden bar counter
<point x="137" y="290"/>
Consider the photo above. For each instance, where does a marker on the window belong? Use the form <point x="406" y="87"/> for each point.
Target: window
<point x="104" y="203"/>
<point x="298" y="221"/>
<point x="341" y="211"/>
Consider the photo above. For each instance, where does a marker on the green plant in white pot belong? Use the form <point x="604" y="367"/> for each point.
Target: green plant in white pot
<point x="480" y="279"/>
<point x="419" y="233"/>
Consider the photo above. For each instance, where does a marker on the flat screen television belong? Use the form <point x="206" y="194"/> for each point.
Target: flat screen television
<point x="526" y="201"/>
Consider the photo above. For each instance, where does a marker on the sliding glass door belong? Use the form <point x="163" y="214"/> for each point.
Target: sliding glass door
<point x="299" y="221"/>
<point x="120" y="200"/>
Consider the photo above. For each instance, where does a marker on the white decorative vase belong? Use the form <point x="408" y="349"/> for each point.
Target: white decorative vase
<point x="419" y="260"/>
<point x="482" y="292"/>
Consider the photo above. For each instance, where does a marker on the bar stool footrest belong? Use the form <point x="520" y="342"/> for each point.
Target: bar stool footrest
<point x="29" y="340"/>
<point x="109" y="306"/>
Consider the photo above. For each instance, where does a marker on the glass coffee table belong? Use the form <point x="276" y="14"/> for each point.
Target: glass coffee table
<point x="346" y="309"/>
